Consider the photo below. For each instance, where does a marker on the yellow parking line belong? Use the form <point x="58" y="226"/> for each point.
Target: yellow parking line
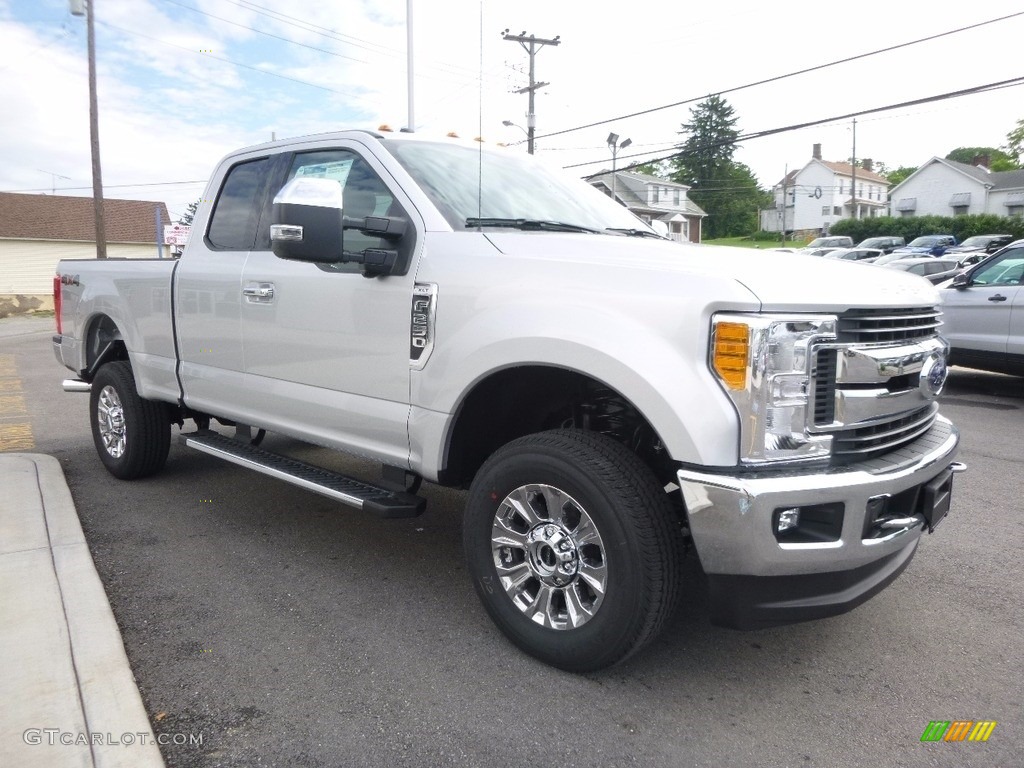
<point x="16" y="437"/>
<point x="13" y="436"/>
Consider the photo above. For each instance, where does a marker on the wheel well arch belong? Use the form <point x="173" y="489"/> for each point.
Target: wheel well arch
<point x="103" y="343"/>
<point x="514" y="402"/>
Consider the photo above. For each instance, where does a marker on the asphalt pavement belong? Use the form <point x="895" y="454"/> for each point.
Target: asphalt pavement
<point x="268" y="626"/>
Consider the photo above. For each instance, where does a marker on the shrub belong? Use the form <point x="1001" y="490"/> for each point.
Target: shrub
<point x="910" y="227"/>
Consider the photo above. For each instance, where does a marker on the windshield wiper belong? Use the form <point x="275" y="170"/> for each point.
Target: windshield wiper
<point x="635" y="232"/>
<point x="528" y="224"/>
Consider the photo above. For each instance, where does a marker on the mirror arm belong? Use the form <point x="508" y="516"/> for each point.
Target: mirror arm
<point x="376" y="261"/>
<point x="378" y="226"/>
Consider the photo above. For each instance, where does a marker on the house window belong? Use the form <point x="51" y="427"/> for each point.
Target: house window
<point x="959" y="210"/>
<point x="841" y="186"/>
<point x="675" y="198"/>
<point x="837" y="210"/>
<point x="1015" y="210"/>
<point x="824" y="210"/>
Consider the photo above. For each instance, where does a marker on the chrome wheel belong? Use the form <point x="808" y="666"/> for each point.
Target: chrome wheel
<point x="110" y="419"/>
<point x="549" y="556"/>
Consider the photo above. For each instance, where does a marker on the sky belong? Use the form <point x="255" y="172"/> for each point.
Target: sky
<point x="183" y="82"/>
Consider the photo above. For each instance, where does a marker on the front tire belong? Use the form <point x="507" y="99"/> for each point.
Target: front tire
<point x="574" y="549"/>
<point x="132" y="435"/>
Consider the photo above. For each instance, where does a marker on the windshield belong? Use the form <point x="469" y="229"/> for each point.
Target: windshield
<point x="473" y="183"/>
<point x="922" y="242"/>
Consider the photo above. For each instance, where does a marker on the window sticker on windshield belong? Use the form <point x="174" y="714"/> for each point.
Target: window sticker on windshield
<point x="338" y="170"/>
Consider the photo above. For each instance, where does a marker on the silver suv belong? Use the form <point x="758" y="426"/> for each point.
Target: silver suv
<point x="983" y="313"/>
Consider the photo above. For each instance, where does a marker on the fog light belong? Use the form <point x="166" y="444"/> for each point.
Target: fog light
<point x="787" y="518"/>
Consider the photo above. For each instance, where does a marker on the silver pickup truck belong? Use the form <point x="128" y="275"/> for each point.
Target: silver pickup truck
<point x="611" y="399"/>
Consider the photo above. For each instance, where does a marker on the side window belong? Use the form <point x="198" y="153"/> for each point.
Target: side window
<point x="237" y="211"/>
<point x="1006" y="270"/>
<point x="363" y="193"/>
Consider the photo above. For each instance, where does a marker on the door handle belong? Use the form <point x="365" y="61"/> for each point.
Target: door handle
<point x="262" y="292"/>
<point x="997" y="297"/>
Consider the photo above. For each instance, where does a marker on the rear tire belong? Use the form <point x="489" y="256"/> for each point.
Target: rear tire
<point x="574" y="549"/>
<point x="132" y="435"/>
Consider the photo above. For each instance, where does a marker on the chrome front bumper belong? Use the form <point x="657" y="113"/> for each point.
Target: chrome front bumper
<point x="757" y="581"/>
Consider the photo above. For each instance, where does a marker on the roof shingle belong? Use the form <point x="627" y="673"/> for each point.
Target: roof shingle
<point x="60" y="217"/>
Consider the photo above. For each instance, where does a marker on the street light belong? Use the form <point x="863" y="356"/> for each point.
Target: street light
<point x="615" y="145"/>
<point x="510" y="124"/>
<point x="80" y="8"/>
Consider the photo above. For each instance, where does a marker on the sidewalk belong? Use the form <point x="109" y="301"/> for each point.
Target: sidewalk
<point x="67" y="694"/>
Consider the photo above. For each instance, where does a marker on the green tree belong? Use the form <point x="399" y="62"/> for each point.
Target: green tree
<point x="728" y="191"/>
<point x="1015" y="142"/>
<point x="898" y="175"/>
<point x="190" y="214"/>
<point x="998" y="160"/>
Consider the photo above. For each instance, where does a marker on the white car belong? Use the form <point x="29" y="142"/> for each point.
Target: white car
<point x="983" y="313"/>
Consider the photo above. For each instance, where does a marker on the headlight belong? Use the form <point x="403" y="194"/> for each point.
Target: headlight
<point x="764" y="363"/>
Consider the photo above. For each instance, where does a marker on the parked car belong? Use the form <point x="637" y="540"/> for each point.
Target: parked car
<point x="854" y="254"/>
<point x="834" y="241"/>
<point x="983" y="313"/>
<point x="934" y="269"/>
<point x="888" y="258"/>
<point x="927" y="245"/>
<point x="885" y="244"/>
<point x="986" y="244"/>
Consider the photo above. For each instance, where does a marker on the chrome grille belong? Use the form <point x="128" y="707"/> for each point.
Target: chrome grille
<point x="876" y="438"/>
<point x="873" y="326"/>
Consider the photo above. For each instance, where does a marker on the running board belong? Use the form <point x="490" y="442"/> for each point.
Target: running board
<point x="345" y="489"/>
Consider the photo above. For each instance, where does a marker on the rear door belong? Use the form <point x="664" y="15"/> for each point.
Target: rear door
<point x="208" y="289"/>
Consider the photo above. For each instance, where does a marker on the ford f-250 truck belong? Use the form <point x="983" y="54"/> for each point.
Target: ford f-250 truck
<point x="610" y="398"/>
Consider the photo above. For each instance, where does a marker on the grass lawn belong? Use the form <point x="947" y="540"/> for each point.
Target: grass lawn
<point x="744" y="242"/>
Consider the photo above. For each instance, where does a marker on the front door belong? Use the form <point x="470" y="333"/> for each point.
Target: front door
<point x="325" y="348"/>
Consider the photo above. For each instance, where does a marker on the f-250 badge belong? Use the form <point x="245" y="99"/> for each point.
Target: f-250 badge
<point x="421" y="341"/>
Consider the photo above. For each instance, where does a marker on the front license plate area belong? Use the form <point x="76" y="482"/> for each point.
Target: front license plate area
<point x="934" y="499"/>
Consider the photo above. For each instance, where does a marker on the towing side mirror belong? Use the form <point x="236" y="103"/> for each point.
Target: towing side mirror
<point x="307" y="223"/>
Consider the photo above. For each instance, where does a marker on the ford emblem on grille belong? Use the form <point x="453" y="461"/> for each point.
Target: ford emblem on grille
<point x="933" y="377"/>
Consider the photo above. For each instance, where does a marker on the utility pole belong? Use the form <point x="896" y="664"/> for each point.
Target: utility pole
<point x="782" y="226"/>
<point x="853" y="164"/>
<point x="411" y="125"/>
<point x="78" y="7"/>
<point x="531" y="45"/>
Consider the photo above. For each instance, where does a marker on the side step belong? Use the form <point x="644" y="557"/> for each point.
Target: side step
<point x="345" y="489"/>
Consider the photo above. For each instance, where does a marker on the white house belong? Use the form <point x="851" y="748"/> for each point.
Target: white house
<point x="37" y="231"/>
<point x="818" y="195"/>
<point x="653" y="198"/>
<point x="947" y="188"/>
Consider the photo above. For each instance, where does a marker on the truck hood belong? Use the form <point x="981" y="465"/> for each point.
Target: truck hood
<point x="780" y="281"/>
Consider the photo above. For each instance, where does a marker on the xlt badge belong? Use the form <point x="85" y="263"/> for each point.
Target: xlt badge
<point x="421" y="341"/>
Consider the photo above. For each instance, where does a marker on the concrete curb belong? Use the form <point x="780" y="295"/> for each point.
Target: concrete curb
<point x="69" y="696"/>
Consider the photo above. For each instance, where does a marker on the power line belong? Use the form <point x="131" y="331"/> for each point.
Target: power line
<point x="108" y="186"/>
<point x="267" y="34"/>
<point x="999" y="85"/>
<point x="783" y="77"/>
<point x="306" y="26"/>
<point x="233" y="63"/>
